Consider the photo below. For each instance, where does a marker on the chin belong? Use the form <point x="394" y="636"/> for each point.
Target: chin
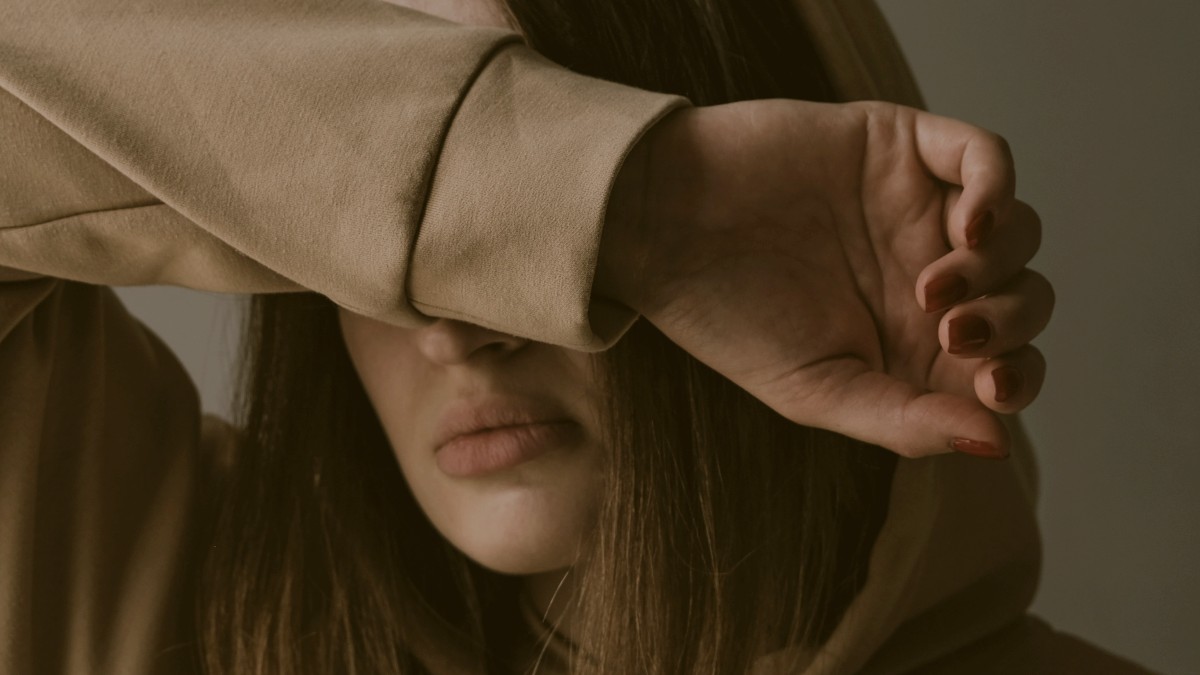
<point x="521" y="563"/>
<point x="519" y="557"/>
<point x="522" y="533"/>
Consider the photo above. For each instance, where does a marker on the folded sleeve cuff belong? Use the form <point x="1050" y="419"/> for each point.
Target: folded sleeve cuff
<point x="511" y="230"/>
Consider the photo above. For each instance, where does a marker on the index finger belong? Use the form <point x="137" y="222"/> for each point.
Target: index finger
<point x="976" y="159"/>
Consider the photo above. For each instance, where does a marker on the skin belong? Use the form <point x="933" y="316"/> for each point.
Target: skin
<point x="527" y="520"/>
<point x="782" y="243"/>
<point x="792" y="247"/>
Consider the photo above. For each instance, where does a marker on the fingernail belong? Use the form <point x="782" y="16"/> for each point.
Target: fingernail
<point x="977" y="448"/>
<point x="968" y="333"/>
<point x="944" y="291"/>
<point x="1008" y="381"/>
<point x="979" y="229"/>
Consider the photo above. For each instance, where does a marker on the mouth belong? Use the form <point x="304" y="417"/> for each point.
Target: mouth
<point x="493" y="449"/>
<point x="465" y="417"/>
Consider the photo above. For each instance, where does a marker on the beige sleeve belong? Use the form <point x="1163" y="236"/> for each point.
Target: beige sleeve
<point x="405" y="166"/>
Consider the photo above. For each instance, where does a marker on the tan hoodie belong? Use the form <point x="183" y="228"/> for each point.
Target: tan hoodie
<point x="408" y="168"/>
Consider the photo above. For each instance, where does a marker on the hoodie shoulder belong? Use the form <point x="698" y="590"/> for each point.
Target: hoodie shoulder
<point x="1030" y="646"/>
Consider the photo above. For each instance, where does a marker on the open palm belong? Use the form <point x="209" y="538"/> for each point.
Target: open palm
<point x="794" y="247"/>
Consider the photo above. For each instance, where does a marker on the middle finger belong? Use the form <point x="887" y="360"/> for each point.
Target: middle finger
<point x="966" y="273"/>
<point x="1001" y="321"/>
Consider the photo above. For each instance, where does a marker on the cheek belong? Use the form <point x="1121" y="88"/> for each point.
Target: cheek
<point x="528" y="520"/>
<point x="386" y="365"/>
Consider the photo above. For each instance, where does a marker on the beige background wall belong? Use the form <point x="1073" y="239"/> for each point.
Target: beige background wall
<point x="1101" y="103"/>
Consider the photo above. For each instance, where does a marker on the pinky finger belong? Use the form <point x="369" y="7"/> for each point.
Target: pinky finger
<point x="1009" y="382"/>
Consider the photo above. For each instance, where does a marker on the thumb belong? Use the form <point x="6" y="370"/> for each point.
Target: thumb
<point x="877" y="408"/>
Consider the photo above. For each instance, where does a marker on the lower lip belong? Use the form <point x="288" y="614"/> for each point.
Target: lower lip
<point x="496" y="449"/>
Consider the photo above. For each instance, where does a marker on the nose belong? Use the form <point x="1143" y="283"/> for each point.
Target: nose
<point x="451" y="342"/>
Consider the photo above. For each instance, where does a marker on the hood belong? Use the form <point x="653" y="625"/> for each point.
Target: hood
<point x="959" y="553"/>
<point x="958" y="557"/>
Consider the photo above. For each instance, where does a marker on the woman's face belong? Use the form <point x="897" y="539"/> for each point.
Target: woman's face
<point x="516" y="500"/>
<point x="528" y="515"/>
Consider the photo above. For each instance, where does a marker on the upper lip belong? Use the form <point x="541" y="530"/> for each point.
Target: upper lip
<point x="467" y="417"/>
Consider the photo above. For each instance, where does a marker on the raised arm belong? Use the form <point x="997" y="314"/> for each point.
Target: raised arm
<point x="857" y="267"/>
<point x="404" y="166"/>
<point x="398" y="163"/>
<point x="301" y="148"/>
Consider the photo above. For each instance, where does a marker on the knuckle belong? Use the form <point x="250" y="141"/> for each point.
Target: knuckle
<point x="1035" y="227"/>
<point x="1030" y="361"/>
<point x="1041" y="287"/>
<point x="1001" y="145"/>
<point x="1038" y="359"/>
<point x="1051" y="297"/>
<point x="875" y="107"/>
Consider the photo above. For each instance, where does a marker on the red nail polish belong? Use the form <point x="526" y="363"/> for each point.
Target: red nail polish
<point x="979" y="229"/>
<point x="944" y="291"/>
<point x="1008" y="381"/>
<point x="968" y="333"/>
<point x="977" y="448"/>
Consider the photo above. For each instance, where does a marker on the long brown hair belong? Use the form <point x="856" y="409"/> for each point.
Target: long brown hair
<point x="726" y="531"/>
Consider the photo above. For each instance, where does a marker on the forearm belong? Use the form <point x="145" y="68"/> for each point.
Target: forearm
<point x="652" y="201"/>
<point x="402" y="165"/>
<point x="295" y="136"/>
<point x="620" y="264"/>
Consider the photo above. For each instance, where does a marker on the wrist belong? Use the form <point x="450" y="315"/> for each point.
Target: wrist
<point x="620" y="264"/>
<point x="638" y="208"/>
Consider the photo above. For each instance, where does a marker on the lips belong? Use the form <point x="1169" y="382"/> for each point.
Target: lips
<point x="464" y="417"/>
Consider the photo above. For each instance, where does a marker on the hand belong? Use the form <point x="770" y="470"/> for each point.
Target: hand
<point x="781" y="243"/>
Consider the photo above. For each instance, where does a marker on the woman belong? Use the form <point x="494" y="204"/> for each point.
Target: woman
<point x="674" y="523"/>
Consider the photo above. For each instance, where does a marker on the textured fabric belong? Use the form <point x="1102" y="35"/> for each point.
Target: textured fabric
<point x="305" y="135"/>
<point x="408" y="168"/>
<point x="99" y="472"/>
